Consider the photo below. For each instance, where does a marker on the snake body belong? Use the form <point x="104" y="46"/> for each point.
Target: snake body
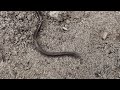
<point x="39" y="45"/>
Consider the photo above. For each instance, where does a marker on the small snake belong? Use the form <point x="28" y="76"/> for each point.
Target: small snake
<point x="39" y="46"/>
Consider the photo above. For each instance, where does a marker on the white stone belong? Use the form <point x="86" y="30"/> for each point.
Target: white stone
<point x="105" y="35"/>
<point x="64" y="28"/>
<point x="54" y="14"/>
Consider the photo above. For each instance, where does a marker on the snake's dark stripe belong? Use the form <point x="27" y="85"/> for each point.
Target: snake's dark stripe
<point x="38" y="45"/>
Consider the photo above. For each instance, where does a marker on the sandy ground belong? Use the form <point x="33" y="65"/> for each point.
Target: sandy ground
<point x="95" y="35"/>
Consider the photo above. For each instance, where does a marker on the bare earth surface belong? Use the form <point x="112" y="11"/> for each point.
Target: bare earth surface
<point x="95" y="35"/>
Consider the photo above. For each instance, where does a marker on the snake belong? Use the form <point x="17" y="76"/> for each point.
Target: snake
<point x="38" y="45"/>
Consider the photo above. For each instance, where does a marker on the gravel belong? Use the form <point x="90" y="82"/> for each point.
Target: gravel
<point x="95" y="35"/>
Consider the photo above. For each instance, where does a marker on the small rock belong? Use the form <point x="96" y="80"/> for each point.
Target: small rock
<point x="54" y="14"/>
<point x="104" y="36"/>
<point x="67" y="21"/>
<point x="64" y="28"/>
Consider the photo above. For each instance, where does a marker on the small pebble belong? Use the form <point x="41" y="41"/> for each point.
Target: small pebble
<point x="104" y="36"/>
<point x="54" y="14"/>
<point x="64" y="28"/>
<point x="67" y="21"/>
